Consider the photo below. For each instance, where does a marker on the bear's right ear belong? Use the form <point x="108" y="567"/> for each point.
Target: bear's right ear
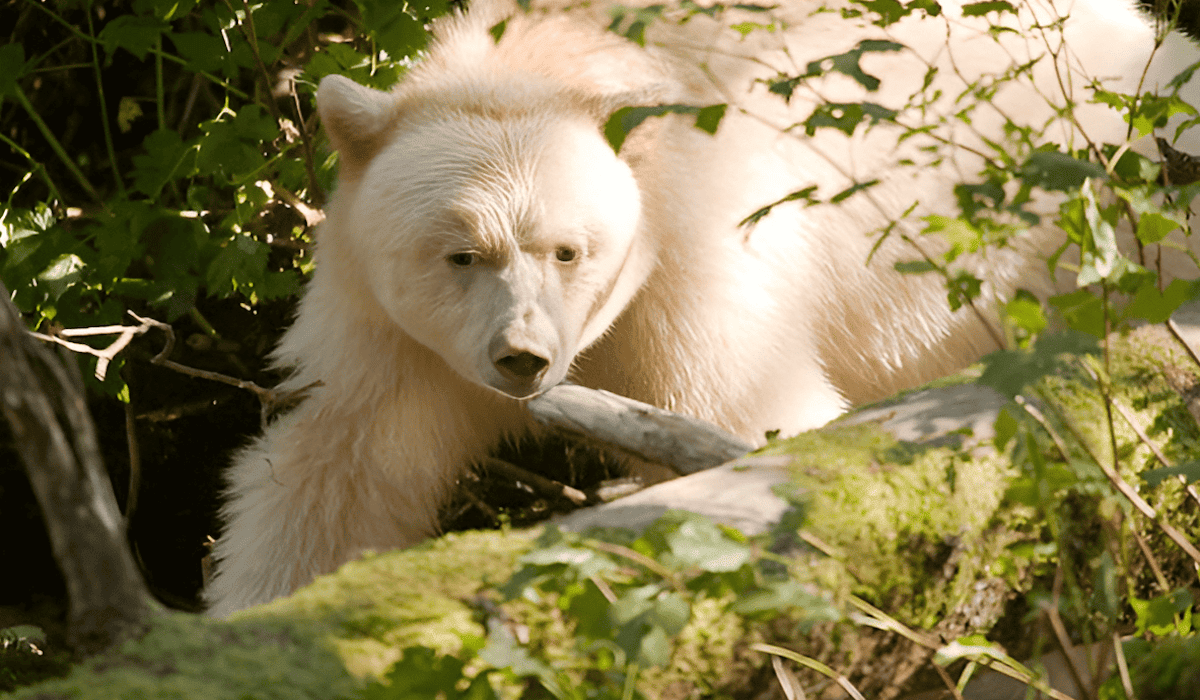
<point x="357" y="119"/>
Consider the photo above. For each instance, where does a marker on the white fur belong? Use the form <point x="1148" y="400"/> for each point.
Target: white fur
<point x="493" y="152"/>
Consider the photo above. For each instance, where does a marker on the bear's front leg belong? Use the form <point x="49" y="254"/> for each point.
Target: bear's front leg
<point x="320" y="487"/>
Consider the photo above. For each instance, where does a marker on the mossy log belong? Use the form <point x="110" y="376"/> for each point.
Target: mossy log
<point x="909" y="505"/>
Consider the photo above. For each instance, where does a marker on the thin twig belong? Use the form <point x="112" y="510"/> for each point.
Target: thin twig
<point x="948" y="681"/>
<point x="135" y="461"/>
<point x="636" y="556"/>
<point x="1137" y="429"/>
<point x="547" y="487"/>
<point x="1175" y="331"/>
<point x="1132" y="496"/>
<point x="1064" y="640"/>
<point x="1151" y="560"/>
<point x="103" y="356"/>
<point x="1123" y="667"/>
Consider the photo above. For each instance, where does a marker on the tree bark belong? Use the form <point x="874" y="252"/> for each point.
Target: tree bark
<point x="54" y="434"/>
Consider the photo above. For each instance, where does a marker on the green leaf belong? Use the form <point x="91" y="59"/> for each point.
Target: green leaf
<point x="65" y="271"/>
<point x="12" y="67"/>
<point x="1082" y="310"/>
<point x="1188" y="470"/>
<point x="846" y="116"/>
<point x="1153" y="227"/>
<point x="623" y="121"/>
<point x="915" y="267"/>
<point x="204" y="52"/>
<point x="962" y="235"/>
<point x="137" y="35"/>
<point x="497" y="30"/>
<point x="1155" y="306"/>
<point x="852" y="190"/>
<point x="698" y="542"/>
<point x="166" y="158"/>
<point x="1057" y="171"/>
<point x="1006" y="429"/>
<point x="709" y="118"/>
<point x="1157" y="615"/>
<point x="1025" y="312"/>
<point x="1010" y="371"/>
<point x="979" y="9"/>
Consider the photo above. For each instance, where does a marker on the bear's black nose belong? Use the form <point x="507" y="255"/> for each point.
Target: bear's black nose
<point x="522" y="365"/>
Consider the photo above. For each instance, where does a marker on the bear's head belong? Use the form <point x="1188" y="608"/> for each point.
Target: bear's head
<point x="492" y="223"/>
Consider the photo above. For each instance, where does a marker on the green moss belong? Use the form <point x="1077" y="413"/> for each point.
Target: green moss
<point x="315" y="644"/>
<point x="911" y="524"/>
<point x="186" y="656"/>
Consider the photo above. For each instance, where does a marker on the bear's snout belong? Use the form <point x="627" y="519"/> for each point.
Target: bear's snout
<point x="522" y="365"/>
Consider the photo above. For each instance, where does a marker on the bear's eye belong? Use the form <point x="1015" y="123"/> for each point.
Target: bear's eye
<point x="462" y="259"/>
<point x="566" y="254"/>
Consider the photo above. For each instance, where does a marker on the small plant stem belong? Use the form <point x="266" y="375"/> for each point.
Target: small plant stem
<point x="1151" y="560"/>
<point x="1129" y="418"/>
<point x="547" y="487"/>
<point x="55" y="145"/>
<point x="37" y="167"/>
<point x="1129" y="493"/>
<point x="251" y="36"/>
<point x="314" y="186"/>
<point x="1064" y="640"/>
<point x="203" y="323"/>
<point x="950" y="684"/>
<point x="157" y="52"/>
<point x="1001" y="664"/>
<point x="812" y="664"/>
<point x="135" y="459"/>
<point x="159" y="89"/>
<point x="636" y="556"/>
<point x="104" y="125"/>
<point x="1123" y="667"/>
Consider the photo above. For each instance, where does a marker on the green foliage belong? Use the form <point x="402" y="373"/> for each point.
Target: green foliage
<point x="627" y="598"/>
<point x="219" y="174"/>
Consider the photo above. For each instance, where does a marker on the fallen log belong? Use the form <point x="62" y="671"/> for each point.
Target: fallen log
<point x="685" y="444"/>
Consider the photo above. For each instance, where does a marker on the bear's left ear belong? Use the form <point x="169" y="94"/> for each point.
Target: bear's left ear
<point x="357" y="118"/>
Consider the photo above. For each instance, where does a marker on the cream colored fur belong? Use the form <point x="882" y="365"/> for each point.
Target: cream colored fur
<point x="481" y="216"/>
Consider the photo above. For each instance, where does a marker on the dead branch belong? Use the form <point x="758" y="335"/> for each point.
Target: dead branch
<point x="547" y="487"/>
<point x="44" y="404"/>
<point x="685" y="444"/>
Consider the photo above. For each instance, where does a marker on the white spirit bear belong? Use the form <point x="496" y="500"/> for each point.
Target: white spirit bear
<point x="485" y="243"/>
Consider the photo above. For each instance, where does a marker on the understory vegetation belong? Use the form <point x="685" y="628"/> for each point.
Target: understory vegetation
<point x="162" y="159"/>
